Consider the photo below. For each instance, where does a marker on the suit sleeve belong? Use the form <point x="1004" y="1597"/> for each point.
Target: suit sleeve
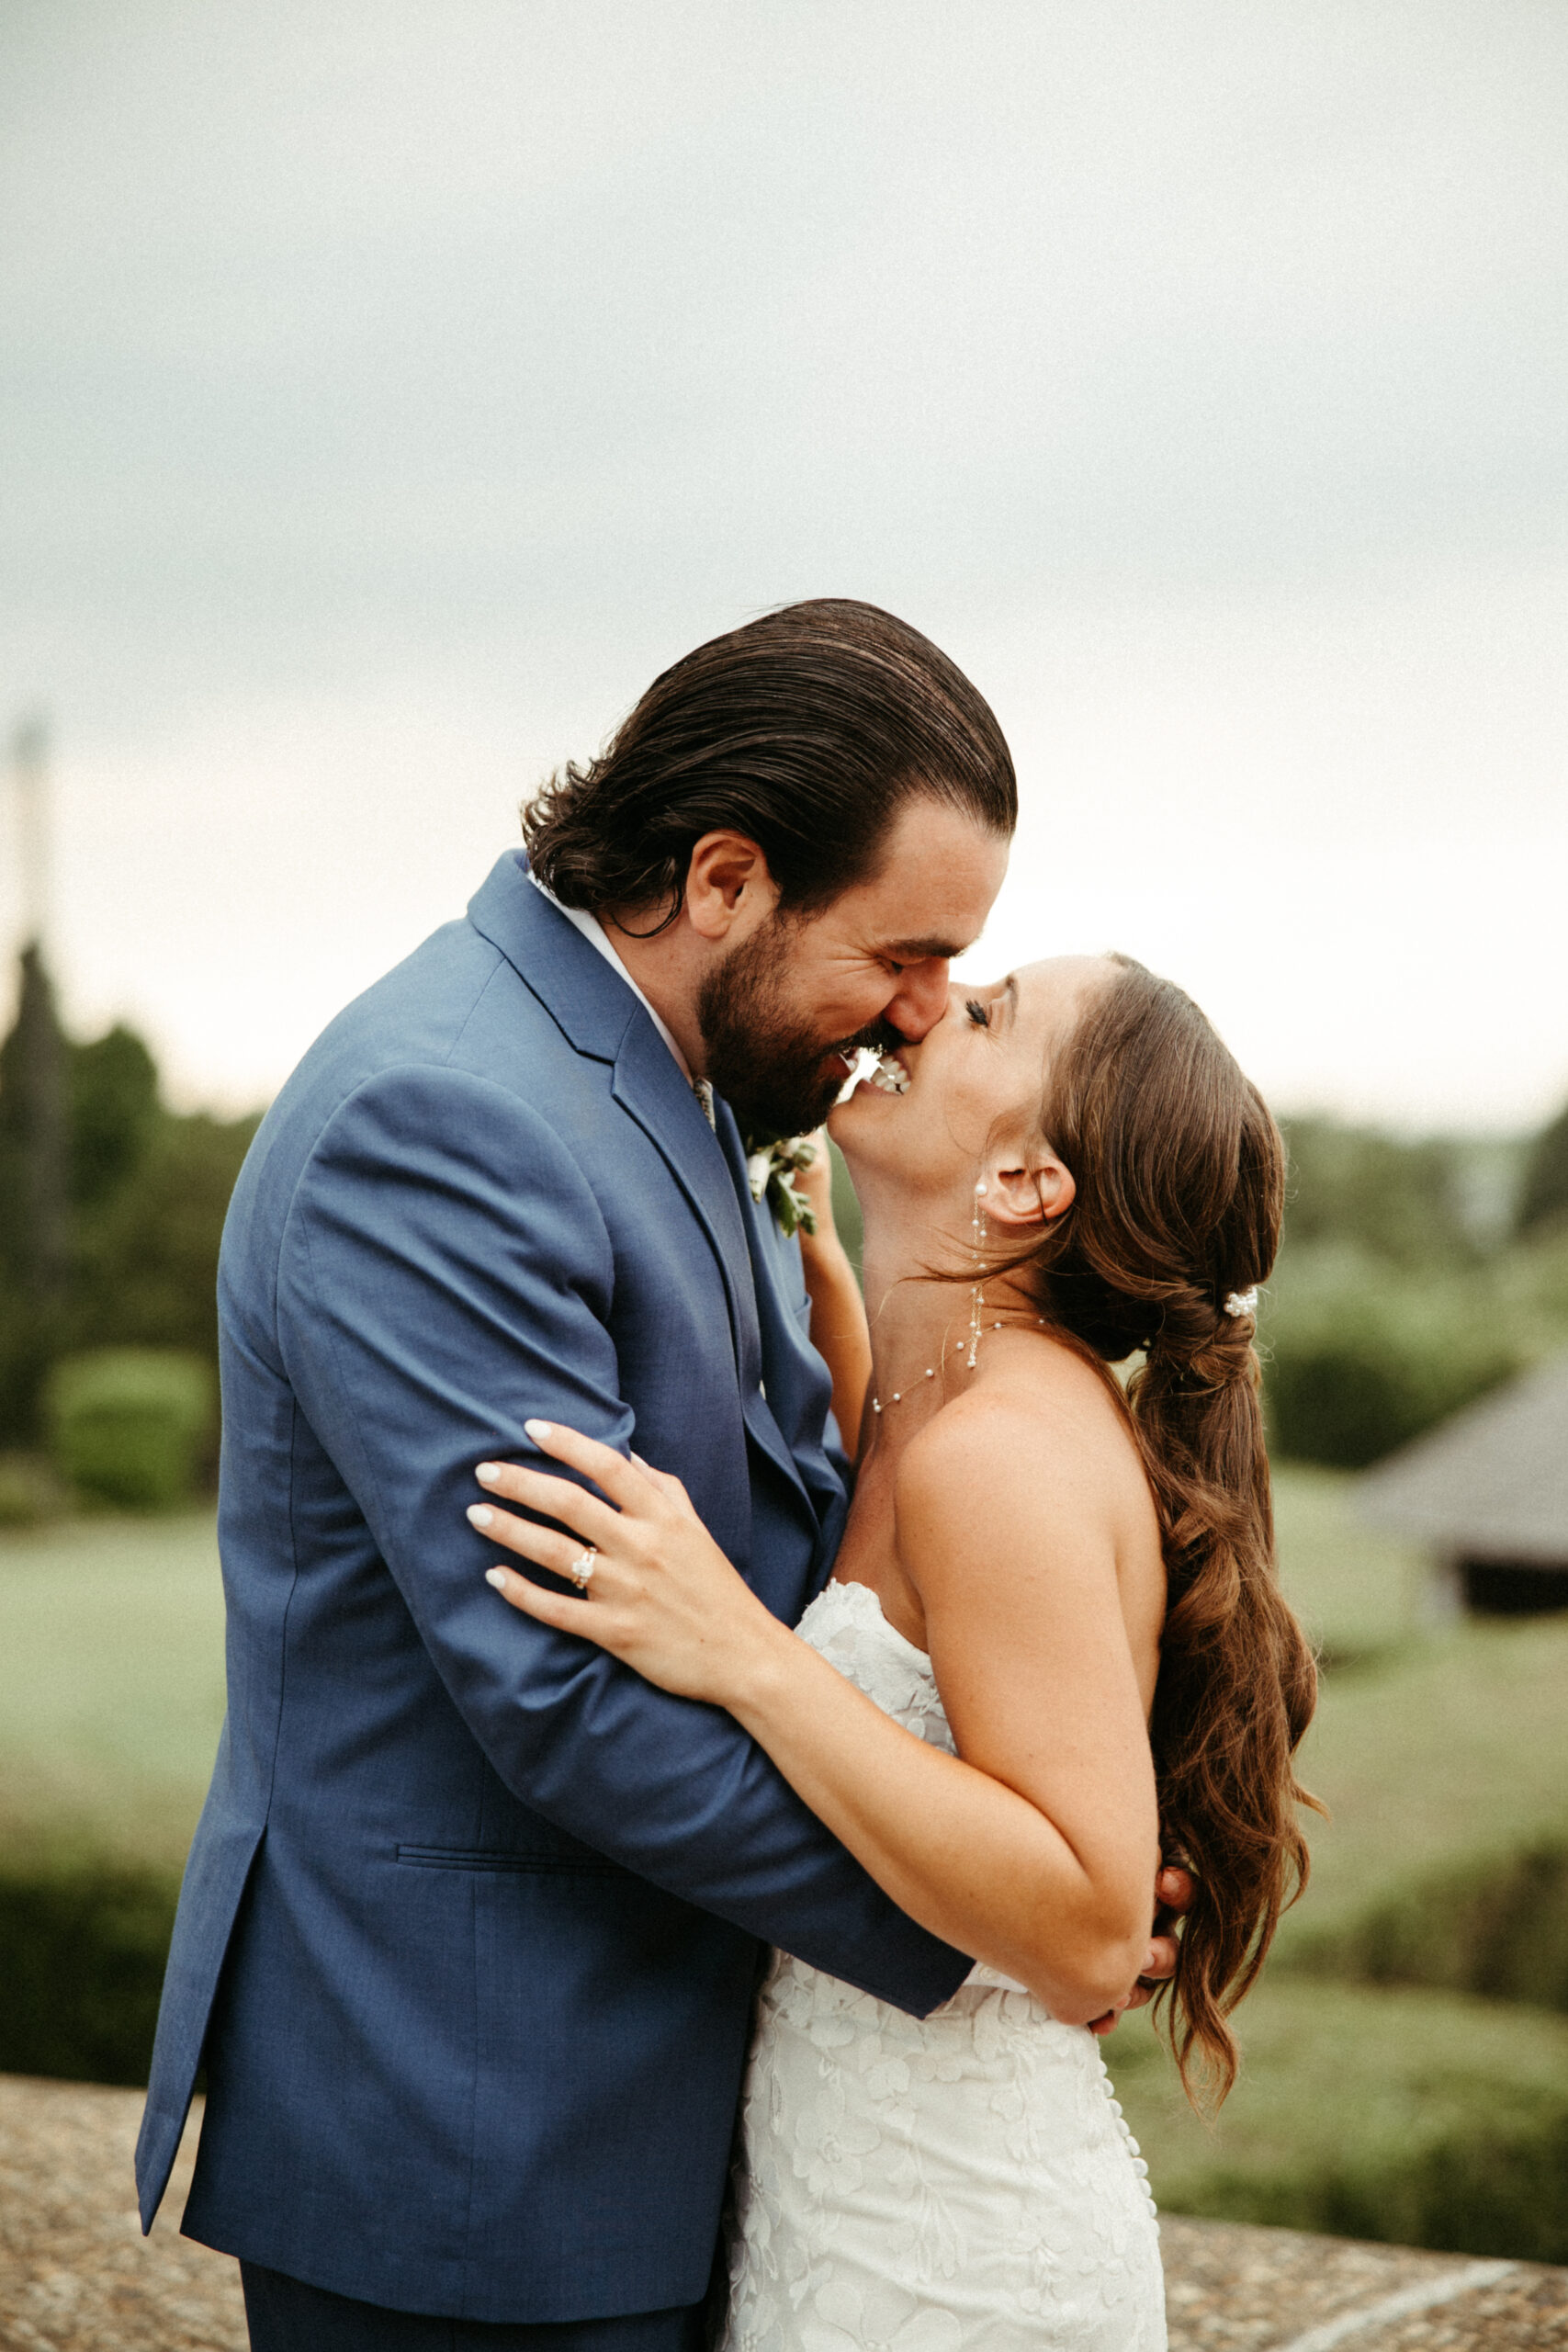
<point x="447" y="1274"/>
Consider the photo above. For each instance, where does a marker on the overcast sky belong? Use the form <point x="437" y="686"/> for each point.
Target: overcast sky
<point x="388" y="392"/>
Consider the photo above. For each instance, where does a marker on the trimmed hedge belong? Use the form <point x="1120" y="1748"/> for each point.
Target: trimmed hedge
<point x="1494" y="1927"/>
<point x="1498" y="2186"/>
<point x="82" y="1948"/>
<point x="1420" y="2118"/>
<point x="128" y="1424"/>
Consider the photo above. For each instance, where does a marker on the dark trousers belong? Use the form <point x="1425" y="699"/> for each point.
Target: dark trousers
<point x="285" y="2315"/>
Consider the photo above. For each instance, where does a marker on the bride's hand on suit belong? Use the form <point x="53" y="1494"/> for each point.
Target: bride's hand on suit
<point x="658" y="1593"/>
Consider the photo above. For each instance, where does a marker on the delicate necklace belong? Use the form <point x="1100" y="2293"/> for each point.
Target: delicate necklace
<point x="977" y="1304"/>
<point x="971" y="1342"/>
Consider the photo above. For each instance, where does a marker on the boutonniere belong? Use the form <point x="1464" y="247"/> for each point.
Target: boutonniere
<point x="772" y="1164"/>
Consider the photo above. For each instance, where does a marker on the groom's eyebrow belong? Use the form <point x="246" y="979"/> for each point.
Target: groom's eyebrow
<point x="915" y="951"/>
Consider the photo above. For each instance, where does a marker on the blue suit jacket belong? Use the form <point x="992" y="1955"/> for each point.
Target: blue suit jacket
<point x="470" y="1928"/>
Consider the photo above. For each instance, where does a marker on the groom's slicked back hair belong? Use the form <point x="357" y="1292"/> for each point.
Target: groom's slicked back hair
<point x="805" y="730"/>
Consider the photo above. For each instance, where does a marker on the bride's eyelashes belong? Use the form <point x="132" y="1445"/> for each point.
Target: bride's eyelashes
<point x="978" y="1013"/>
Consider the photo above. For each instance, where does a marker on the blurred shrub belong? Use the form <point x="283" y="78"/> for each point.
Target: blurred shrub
<point x="1360" y="1360"/>
<point x="1543" y="1196"/>
<point x="83" y="1947"/>
<point x="130" y="1424"/>
<point x="1496" y="1926"/>
<point x="847" y="1209"/>
<point x="29" y="1492"/>
<point x="1495" y="2184"/>
<point x="1412" y="1205"/>
<point x="1421" y="2118"/>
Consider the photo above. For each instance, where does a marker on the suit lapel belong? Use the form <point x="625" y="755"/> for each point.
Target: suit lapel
<point x="781" y="1333"/>
<point x="651" y="1090"/>
<point x="599" y="1015"/>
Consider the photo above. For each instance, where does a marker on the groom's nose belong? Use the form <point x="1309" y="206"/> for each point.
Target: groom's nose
<point x="920" y="998"/>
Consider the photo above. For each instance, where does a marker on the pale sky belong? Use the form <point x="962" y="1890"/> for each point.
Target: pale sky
<point x="386" y="392"/>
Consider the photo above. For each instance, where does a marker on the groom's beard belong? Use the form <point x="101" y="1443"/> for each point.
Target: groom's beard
<point x="777" y="1075"/>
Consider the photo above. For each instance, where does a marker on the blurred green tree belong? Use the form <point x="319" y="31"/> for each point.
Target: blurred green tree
<point x="34" y="1212"/>
<point x="114" y="1111"/>
<point x="135" y="1217"/>
<point x="1401" y="1293"/>
<point x="1543" y="1196"/>
<point x="1405" y="1203"/>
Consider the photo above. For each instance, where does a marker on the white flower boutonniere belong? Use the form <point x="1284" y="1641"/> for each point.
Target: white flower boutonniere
<point x="772" y="1164"/>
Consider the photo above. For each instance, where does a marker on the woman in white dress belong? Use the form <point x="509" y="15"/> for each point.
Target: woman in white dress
<point x="1054" y="1634"/>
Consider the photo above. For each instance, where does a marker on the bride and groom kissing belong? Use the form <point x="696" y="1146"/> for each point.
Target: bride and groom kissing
<point x="795" y="1823"/>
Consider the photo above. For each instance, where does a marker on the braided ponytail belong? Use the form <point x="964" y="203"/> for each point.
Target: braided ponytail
<point x="1181" y="1186"/>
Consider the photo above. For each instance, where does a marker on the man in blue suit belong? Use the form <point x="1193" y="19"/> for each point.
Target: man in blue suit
<point x="471" y="1924"/>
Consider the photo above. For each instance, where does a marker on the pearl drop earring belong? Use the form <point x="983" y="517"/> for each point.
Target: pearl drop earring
<point x="977" y="1229"/>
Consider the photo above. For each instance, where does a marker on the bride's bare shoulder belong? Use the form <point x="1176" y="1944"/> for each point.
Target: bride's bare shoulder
<point x="1037" y="1420"/>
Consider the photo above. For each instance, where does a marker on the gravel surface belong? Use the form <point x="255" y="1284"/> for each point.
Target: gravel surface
<point x="1233" y="2289"/>
<point x="76" y="2275"/>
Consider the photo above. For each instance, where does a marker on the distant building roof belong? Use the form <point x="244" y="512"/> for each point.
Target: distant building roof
<point x="1491" y="1483"/>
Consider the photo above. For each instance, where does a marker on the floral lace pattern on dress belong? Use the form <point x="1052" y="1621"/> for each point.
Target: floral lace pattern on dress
<point x="959" y="2183"/>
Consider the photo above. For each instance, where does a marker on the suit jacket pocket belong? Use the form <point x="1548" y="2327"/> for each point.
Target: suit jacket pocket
<point x="494" y="1858"/>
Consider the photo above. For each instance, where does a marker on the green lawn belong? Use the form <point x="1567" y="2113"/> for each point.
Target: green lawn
<point x="111" y="1682"/>
<point x="1433" y="1745"/>
<point x="1360" y="1595"/>
<point x="1457" y="1750"/>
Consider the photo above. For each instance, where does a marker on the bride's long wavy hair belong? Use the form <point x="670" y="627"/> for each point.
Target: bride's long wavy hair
<point x="1180" y="1178"/>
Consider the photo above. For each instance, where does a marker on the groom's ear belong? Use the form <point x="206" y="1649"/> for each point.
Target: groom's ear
<point x="728" y="887"/>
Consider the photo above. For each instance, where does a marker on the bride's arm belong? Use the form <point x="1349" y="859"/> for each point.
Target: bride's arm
<point x="1038" y="1855"/>
<point x="839" y="1330"/>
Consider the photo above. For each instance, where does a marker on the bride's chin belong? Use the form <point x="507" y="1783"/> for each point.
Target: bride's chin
<point x="849" y="1119"/>
<point x="867" y="1142"/>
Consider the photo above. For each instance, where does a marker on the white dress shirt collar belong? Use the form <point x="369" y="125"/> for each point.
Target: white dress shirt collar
<point x="593" y="931"/>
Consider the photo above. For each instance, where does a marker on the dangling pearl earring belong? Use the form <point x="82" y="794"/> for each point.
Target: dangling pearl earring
<point x="977" y="1229"/>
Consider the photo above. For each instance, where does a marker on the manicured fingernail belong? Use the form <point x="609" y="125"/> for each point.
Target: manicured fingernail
<point x="496" y="1576"/>
<point x="489" y="1474"/>
<point x="537" y="1430"/>
<point x="479" y="1514"/>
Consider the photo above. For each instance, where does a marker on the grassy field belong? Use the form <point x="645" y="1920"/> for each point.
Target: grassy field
<point x="112" y="1683"/>
<point x="1455" y="1750"/>
<point x="1360" y="1595"/>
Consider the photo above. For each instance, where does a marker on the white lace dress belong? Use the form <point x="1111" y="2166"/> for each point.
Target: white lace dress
<point x="961" y="2183"/>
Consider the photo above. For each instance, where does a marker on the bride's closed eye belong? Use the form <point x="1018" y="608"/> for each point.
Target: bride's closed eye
<point x="978" y="1013"/>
